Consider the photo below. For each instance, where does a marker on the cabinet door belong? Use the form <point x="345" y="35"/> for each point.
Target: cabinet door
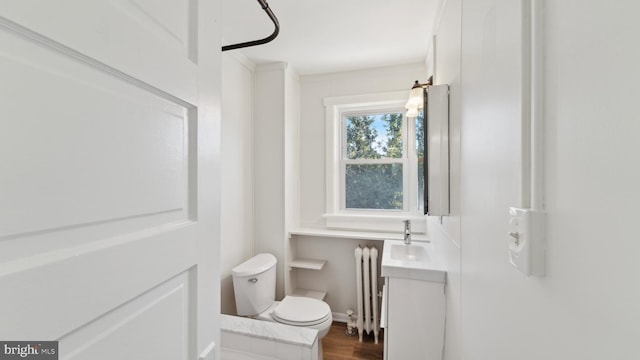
<point x="415" y="320"/>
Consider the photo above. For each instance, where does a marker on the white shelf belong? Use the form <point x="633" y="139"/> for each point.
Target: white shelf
<point x="327" y="233"/>
<point x="320" y="295"/>
<point x="308" y="264"/>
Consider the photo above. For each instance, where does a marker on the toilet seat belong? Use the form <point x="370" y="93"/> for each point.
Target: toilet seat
<point x="301" y="311"/>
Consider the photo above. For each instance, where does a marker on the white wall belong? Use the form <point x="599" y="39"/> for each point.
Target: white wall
<point x="587" y="305"/>
<point x="338" y="277"/>
<point x="276" y="119"/>
<point x="237" y="171"/>
<point x="445" y="232"/>
<point x="314" y="89"/>
<point x="269" y="165"/>
<point x="292" y="165"/>
<point x="259" y="164"/>
<point x="499" y="305"/>
<point x="592" y="177"/>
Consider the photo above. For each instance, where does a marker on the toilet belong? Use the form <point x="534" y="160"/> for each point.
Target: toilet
<point x="254" y="283"/>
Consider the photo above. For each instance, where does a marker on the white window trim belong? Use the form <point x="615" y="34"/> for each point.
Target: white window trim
<point x="370" y="220"/>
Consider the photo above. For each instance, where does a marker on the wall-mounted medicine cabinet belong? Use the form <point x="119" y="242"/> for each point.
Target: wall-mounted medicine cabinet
<point x="437" y="139"/>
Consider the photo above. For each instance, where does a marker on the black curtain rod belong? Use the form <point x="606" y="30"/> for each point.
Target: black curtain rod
<point x="273" y="18"/>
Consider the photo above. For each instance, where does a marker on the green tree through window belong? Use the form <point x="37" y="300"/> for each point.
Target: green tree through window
<point x="374" y="179"/>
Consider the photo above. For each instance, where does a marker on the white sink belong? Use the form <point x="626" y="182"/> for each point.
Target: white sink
<point x="408" y="252"/>
<point x="417" y="261"/>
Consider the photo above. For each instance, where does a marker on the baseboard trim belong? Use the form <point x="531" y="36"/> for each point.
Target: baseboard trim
<point x="340" y="317"/>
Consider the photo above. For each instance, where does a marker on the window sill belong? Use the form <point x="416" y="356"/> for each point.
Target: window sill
<point x="360" y="235"/>
<point x="375" y="222"/>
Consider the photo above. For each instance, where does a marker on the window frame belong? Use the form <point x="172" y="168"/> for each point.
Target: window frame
<point x="337" y="215"/>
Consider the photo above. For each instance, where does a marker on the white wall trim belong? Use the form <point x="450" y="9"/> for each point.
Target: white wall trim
<point x="340" y="317"/>
<point x="243" y="60"/>
<point x="531" y="176"/>
<point x="275" y="66"/>
<point x="240" y="57"/>
<point x="442" y="5"/>
<point x="333" y="107"/>
<point x="357" y="74"/>
<point x="335" y="217"/>
<point x="383" y="99"/>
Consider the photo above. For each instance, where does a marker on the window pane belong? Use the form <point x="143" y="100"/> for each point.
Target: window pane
<point x="374" y="136"/>
<point x="420" y="153"/>
<point x="374" y="186"/>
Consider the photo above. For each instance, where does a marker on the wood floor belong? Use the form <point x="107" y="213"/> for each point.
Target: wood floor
<point x="338" y="346"/>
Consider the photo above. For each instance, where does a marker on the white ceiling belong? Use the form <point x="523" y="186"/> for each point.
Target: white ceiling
<point x="322" y="36"/>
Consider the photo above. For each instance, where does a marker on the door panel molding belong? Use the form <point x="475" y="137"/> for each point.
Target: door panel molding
<point x="121" y="333"/>
<point x="151" y="137"/>
<point x="90" y="280"/>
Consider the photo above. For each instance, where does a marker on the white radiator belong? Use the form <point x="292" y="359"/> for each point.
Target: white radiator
<point x="367" y="291"/>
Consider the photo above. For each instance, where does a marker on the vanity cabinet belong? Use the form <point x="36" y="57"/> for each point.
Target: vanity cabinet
<point x="415" y="311"/>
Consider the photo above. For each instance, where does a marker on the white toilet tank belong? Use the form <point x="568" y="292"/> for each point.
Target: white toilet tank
<point x="254" y="284"/>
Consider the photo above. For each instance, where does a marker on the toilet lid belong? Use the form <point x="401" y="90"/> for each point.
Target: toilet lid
<point x="301" y="311"/>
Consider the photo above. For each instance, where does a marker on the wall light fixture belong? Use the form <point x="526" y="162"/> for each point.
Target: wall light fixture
<point x="417" y="98"/>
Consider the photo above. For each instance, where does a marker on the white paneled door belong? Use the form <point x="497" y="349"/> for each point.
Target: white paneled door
<point x="109" y="181"/>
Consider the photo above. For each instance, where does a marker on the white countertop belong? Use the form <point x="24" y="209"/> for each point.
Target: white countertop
<point x="269" y="330"/>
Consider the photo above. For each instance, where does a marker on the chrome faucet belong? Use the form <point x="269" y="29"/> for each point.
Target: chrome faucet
<point x="407" y="232"/>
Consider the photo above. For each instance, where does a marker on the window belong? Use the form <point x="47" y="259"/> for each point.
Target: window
<point x="374" y="162"/>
